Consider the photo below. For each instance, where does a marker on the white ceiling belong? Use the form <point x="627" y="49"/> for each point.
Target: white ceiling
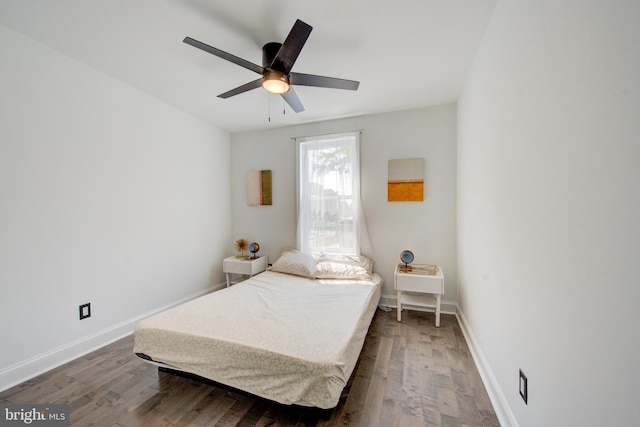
<point x="406" y="54"/>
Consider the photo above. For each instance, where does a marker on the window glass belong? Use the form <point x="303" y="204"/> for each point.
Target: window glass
<point x="328" y="193"/>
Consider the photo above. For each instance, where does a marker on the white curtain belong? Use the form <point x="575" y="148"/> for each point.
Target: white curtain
<point x="330" y="216"/>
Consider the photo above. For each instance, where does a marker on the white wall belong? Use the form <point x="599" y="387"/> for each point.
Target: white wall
<point x="548" y="205"/>
<point x="107" y="196"/>
<point x="427" y="228"/>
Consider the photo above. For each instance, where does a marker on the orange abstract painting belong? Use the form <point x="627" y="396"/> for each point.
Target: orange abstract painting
<point x="406" y="191"/>
<point x="406" y="180"/>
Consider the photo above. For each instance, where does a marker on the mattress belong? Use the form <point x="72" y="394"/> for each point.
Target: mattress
<point x="282" y="337"/>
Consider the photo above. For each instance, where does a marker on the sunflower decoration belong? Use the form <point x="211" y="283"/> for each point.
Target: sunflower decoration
<point x="241" y="245"/>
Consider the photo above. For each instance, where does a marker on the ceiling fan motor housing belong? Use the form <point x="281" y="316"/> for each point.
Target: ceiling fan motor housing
<point x="269" y="52"/>
<point x="273" y="80"/>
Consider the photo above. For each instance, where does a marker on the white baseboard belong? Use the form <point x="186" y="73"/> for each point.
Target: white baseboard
<point x="499" y="402"/>
<point x="34" y="366"/>
<point x="446" y="307"/>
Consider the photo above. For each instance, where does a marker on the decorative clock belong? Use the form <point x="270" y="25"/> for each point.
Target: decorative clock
<point x="406" y="256"/>
<point x="254" y="248"/>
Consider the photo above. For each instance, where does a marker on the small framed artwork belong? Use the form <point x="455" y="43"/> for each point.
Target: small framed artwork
<point x="259" y="188"/>
<point x="406" y="180"/>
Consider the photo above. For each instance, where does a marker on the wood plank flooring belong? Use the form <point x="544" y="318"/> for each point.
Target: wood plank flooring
<point x="410" y="373"/>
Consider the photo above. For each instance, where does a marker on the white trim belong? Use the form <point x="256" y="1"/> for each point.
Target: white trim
<point x="34" y="366"/>
<point x="391" y="301"/>
<point x="499" y="402"/>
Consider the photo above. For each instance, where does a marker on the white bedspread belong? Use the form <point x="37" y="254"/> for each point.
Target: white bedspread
<point x="282" y="337"/>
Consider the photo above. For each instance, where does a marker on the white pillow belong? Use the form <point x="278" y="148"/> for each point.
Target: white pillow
<point x="339" y="266"/>
<point x="295" y="262"/>
<point x="362" y="260"/>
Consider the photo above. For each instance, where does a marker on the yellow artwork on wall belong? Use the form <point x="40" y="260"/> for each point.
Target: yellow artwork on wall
<point x="406" y="180"/>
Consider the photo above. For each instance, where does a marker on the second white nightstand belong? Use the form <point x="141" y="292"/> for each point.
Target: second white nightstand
<point x="246" y="266"/>
<point x="422" y="288"/>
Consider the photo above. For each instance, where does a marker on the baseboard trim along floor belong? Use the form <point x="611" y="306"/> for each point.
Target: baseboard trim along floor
<point x="500" y="405"/>
<point x="44" y="362"/>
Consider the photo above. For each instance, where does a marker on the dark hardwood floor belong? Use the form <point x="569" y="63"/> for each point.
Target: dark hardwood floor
<point x="410" y="373"/>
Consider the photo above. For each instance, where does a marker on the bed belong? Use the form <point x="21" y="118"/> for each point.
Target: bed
<point x="290" y="338"/>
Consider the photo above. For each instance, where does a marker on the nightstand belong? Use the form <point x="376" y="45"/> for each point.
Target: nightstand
<point x="421" y="286"/>
<point x="245" y="266"/>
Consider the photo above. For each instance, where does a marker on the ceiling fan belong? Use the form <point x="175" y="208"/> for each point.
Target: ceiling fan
<point x="277" y="62"/>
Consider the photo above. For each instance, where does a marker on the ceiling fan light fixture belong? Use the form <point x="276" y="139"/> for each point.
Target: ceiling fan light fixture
<point x="275" y="82"/>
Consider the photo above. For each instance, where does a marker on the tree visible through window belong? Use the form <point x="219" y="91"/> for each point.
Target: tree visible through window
<point x="329" y="193"/>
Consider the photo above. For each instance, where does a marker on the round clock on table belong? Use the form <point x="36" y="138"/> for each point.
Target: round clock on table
<point x="254" y="248"/>
<point x="406" y="256"/>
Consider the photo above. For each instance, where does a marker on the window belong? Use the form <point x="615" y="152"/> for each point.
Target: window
<point x="329" y="214"/>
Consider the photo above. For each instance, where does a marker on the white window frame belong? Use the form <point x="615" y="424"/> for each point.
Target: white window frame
<point x="304" y="210"/>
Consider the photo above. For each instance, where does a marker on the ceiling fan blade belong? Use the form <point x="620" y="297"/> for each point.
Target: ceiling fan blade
<point x="241" y="89"/>
<point x="292" y="99"/>
<point x="224" y="55"/>
<point x="290" y="49"/>
<point x="322" y="81"/>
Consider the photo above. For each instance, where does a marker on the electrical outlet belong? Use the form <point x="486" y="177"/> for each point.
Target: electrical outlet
<point x="85" y="310"/>
<point x="523" y="387"/>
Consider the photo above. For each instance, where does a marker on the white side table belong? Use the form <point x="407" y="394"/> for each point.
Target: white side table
<point x="245" y="266"/>
<point x="422" y="287"/>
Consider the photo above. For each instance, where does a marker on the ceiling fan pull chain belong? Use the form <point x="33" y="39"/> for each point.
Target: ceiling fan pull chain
<point x="269" y="103"/>
<point x="284" y="110"/>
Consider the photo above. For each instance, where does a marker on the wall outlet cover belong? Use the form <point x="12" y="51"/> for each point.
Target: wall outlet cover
<point x="523" y="387"/>
<point x="85" y="311"/>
